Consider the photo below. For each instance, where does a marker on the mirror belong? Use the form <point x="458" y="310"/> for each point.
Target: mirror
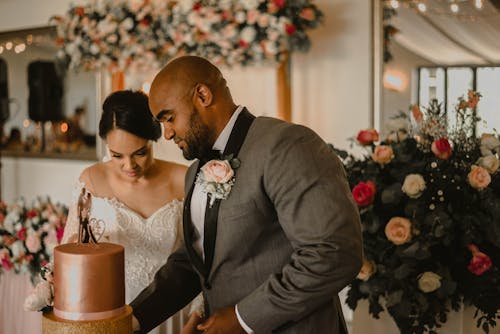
<point x="46" y="111"/>
<point x="439" y="51"/>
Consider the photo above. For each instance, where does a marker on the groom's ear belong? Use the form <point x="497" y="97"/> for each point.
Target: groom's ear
<point x="203" y="95"/>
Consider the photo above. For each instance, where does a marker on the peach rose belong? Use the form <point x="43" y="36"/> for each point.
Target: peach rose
<point x="367" y="270"/>
<point x="218" y="171"/>
<point x="367" y="137"/>
<point x="441" y="148"/>
<point x="417" y="113"/>
<point x="414" y="185"/>
<point x="383" y="154"/>
<point x="473" y="98"/>
<point x="429" y="282"/>
<point x="398" y="230"/>
<point x="478" y="177"/>
<point x="490" y="163"/>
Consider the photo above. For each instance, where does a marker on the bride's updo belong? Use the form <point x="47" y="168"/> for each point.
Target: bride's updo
<point x="129" y="111"/>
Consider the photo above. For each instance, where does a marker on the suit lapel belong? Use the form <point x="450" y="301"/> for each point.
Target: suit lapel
<point x="235" y="141"/>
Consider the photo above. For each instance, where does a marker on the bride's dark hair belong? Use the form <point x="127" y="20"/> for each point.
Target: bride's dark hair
<point x="129" y="111"/>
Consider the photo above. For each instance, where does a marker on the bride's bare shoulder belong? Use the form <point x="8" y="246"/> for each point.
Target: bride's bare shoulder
<point x="93" y="176"/>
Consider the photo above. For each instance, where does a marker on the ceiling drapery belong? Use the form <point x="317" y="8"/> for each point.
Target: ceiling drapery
<point x="469" y="37"/>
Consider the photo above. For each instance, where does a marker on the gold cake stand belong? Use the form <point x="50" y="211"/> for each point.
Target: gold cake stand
<point x="121" y="324"/>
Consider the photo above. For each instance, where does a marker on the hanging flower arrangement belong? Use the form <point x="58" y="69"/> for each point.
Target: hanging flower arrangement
<point x="142" y="34"/>
<point x="429" y="200"/>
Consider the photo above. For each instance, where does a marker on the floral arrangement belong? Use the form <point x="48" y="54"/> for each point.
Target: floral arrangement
<point x="139" y="34"/>
<point x="429" y="200"/>
<point x="28" y="235"/>
<point x="216" y="177"/>
<point x="42" y="296"/>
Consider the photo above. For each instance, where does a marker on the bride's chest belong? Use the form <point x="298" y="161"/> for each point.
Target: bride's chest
<point x="128" y="228"/>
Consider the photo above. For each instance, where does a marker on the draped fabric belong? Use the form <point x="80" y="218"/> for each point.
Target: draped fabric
<point x="469" y="37"/>
<point x="13" y="318"/>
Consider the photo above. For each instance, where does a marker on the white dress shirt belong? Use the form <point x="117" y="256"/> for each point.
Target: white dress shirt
<point x="199" y="201"/>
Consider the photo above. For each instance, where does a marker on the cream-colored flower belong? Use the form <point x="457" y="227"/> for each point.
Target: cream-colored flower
<point x="413" y="185"/>
<point x="489" y="143"/>
<point x="367" y="270"/>
<point x="429" y="282"/>
<point x="478" y="177"/>
<point x="398" y="230"/>
<point x="383" y="154"/>
<point x="40" y="297"/>
<point x="490" y="163"/>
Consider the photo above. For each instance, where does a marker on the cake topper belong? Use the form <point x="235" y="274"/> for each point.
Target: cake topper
<point x="89" y="228"/>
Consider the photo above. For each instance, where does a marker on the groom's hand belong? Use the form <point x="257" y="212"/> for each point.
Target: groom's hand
<point x="221" y="322"/>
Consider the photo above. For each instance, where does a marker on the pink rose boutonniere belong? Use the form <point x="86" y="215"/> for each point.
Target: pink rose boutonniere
<point x="216" y="177"/>
<point x="480" y="262"/>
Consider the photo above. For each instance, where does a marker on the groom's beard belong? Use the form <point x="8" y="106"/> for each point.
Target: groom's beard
<point x="199" y="139"/>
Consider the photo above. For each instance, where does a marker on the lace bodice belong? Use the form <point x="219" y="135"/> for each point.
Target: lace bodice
<point x="147" y="241"/>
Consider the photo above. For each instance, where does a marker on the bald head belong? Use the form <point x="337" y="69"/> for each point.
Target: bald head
<point x="181" y="74"/>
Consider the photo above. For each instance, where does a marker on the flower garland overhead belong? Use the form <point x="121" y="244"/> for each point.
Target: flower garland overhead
<point x="429" y="199"/>
<point x="141" y="34"/>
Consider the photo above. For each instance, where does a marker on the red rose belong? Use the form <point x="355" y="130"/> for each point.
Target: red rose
<point x="21" y="235"/>
<point x="31" y="214"/>
<point x="59" y="234"/>
<point x="364" y="193"/>
<point x="441" y="148"/>
<point x="367" y="137"/>
<point x="279" y="3"/>
<point x="6" y="264"/>
<point x="290" y="29"/>
<point x="480" y="262"/>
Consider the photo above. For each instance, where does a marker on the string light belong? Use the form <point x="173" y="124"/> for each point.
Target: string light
<point x="394" y="4"/>
<point x="422" y="7"/>
<point x="8" y="45"/>
<point x="478" y="4"/>
<point x="454" y="7"/>
<point x="1" y="49"/>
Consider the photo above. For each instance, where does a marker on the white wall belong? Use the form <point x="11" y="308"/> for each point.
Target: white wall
<point x="330" y="85"/>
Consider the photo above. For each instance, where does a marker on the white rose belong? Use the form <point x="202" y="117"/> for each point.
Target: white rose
<point x="240" y="17"/>
<point x="490" y="163"/>
<point x="40" y="297"/>
<point x="248" y="34"/>
<point x="429" y="282"/>
<point x="17" y="249"/>
<point x="414" y="185"/>
<point x="489" y="143"/>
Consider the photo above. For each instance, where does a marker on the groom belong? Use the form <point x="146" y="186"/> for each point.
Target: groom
<point x="272" y="251"/>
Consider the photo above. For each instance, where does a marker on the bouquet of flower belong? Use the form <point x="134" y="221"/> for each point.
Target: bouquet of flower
<point x="429" y="200"/>
<point x="28" y="235"/>
<point x="139" y="34"/>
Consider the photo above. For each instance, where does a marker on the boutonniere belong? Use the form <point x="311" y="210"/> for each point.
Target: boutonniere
<point x="216" y="177"/>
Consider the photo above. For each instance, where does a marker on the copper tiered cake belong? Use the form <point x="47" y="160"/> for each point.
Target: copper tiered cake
<point x="89" y="291"/>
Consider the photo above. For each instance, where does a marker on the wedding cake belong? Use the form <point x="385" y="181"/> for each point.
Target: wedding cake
<point x="89" y="291"/>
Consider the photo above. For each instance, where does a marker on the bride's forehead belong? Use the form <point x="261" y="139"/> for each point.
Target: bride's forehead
<point x="121" y="141"/>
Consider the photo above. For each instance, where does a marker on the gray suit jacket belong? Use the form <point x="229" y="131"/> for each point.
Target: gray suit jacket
<point x="288" y="239"/>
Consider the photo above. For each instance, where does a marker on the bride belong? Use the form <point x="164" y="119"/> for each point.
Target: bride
<point x="138" y="198"/>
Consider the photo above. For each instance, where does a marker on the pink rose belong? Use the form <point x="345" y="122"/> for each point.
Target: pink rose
<point x="367" y="137"/>
<point x="367" y="270"/>
<point x="364" y="193"/>
<point x="441" y="148"/>
<point x="218" y="171"/>
<point x="478" y="177"/>
<point x="383" y="154"/>
<point x="398" y="230"/>
<point x="5" y="259"/>
<point x="480" y="262"/>
<point x="33" y="243"/>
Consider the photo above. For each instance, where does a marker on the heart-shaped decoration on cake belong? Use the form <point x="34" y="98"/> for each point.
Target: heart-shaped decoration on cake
<point x="97" y="226"/>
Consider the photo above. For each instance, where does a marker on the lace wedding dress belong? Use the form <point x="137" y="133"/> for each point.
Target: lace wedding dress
<point x="147" y="243"/>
